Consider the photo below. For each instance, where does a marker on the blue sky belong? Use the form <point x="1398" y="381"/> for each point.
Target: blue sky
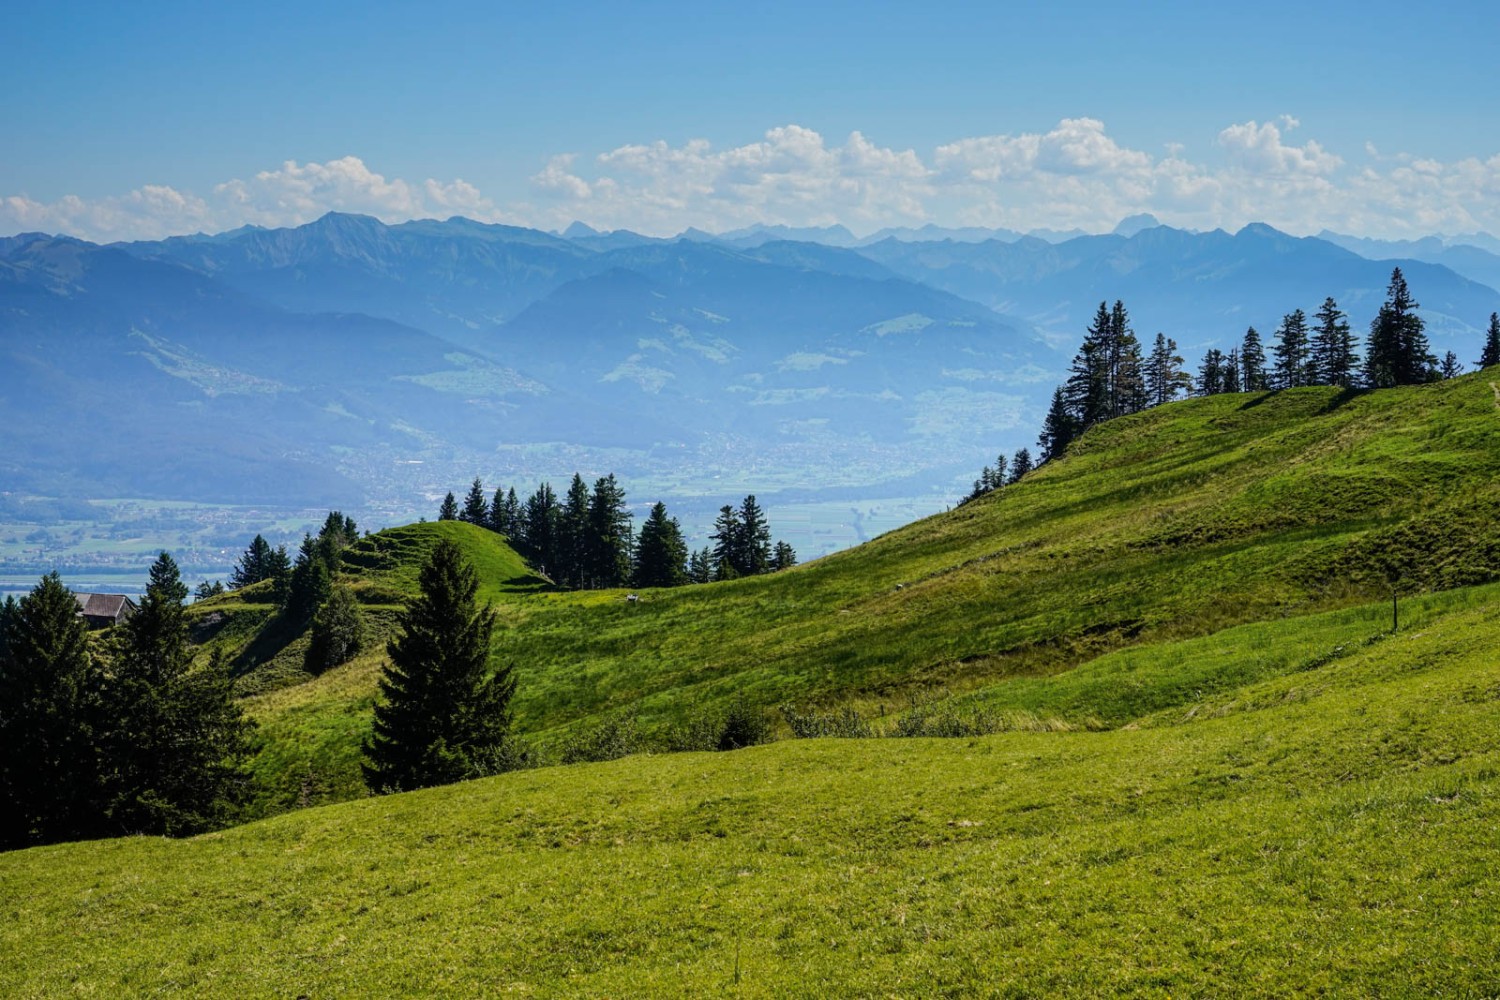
<point x="137" y="120"/>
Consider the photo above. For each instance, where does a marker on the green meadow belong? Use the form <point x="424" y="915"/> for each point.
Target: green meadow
<point x="1186" y="754"/>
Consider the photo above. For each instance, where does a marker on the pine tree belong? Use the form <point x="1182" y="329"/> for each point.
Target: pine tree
<point x="50" y="770"/>
<point x="755" y="539"/>
<point x="1058" y="431"/>
<point x="1164" y="375"/>
<point x="1292" y="351"/>
<point x="1491" y="355"/>
<point x="443" y="716"/>
<point x="727" y="536"/>
<point x="449" y="510"/>
<point x="309" y="584"/>
<point x="506" y="517"/>
<point x="660" y="553"/>
<point x="573" y="547"/>
<point x="1253" y="376"/>
<point x="1334" y="360"/>
<point x="1231" y="374"/>
<point x="541" y="519"/>
<point x="1128" y="384"/>
<point x="476" y="508"/>
<point x="1020" y="465"/>
<point x="784" y="557"/>
<point x="498" y="522"/>
<point x="338" y="631"/>
<point x="701" y="565"/>
<point x="609" y="534"/>
<point x="1451" y="366"/>
<point x="1397" y="352"/>
<point x="177" y="740"/>
<point x="254" y="565"/>
<point x="1087" y="390"/>
<point x="1211" y="373"/>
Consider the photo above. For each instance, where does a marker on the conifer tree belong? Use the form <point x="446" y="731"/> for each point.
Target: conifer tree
<point x="755" y="539"/>
<point x="309" y="584"/>
<point x="177" y="740"/>
<point x="1211" y="373"/>
<point x="573" y="547"/>
<point x="701" y="565"/>
<point x="498" y="522"/>
<point x="1293" y="358"/>
<point x="1020" y="465"/>
<point x="1230" y="379"/>
<point x="254" y="565"/>
<point x="726" y="536"/>
<point x="1451" y="366"/>
<point x="1491" y="354"/>
<point x="541" y="520"/>
<point x="609" y="534"/>
<point x="443" y="716"/>
<point x="660" y="553"/>
<point x="1087" y="390"/>
<point x="50" y="768"/>
<point x="1058" y="431"/>
<point x="449" y="510"/>
<point x="338" y="631"/>
<point x="1334" y="360"/>
<point x="1253" y="376"/>
<point x="476" y="508"/>
<point x="784" y="557"/>
<point x="1164" y="375"/>
<point x="1397" y="352"/>
<point x="1127" y="381"/>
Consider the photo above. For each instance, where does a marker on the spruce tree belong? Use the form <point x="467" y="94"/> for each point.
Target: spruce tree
<point x="476" y="508"/>
<point x="1164" y="375"/>
<point x="253" y="566"/>
<point x="660" y="553"/>
<point x="609" y="534"/>
<point x="443" y="715"/>
<point x="1020" y="465"/>
<point x="1292" y="351"/>
<point x="573" y="548"/>
<point x="1128" y="384"/>
<point x="727" y="536"/>
<point x="1334" y="360"/>
<point x="1451" y="367"/>
<point x="177" y="741"/>
<point x="50" y="768"/>
<point x="338" y="631"/>
<point x="784" y="557"/>
<point x="1231" y="374"/>
<point x="1397" y="352"/>
<point x="755" y="539"/>
<point x="1491" y="354"/>
<point x="449" y="510"/>
<point x="1087" y="390"/>
<point x="1058" y="431"/>
<point x="498" y="522"/>
<point x="309" y="584"/>
<point x="1253" y="376"/>
<point x="701" y="565"/>
<point x="1211" y="373"/>
<point x="541" y="518"/>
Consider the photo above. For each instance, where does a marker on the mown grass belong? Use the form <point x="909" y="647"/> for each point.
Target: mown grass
<point x="1328" y="830"/>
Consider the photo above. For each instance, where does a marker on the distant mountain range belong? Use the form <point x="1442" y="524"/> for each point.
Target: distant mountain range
<point x="348" y="360"/>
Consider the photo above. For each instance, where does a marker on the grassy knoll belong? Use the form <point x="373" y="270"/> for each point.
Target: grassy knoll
<point x="1179" y="522"/>
<point x="1328" y="829"/>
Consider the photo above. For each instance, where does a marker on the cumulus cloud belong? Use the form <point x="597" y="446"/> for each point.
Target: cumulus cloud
<point x="1073" y="175"/>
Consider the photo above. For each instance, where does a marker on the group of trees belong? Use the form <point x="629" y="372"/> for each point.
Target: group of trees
<point x="586" y="539"/>
<point x="1003" y="473"/>
<point x="114" y="734"/>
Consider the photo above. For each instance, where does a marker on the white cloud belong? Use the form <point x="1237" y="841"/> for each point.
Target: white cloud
<point x="1075" y="174"/>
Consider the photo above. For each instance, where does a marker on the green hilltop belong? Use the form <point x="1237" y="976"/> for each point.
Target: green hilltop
<point x="1194" y="758"/>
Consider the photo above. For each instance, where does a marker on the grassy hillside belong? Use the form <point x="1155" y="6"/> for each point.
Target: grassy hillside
<point x="1302" y="808"/>
<point x="1178" y="522"/>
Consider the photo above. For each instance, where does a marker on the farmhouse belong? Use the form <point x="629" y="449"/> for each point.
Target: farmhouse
<point x="104" y="610"/>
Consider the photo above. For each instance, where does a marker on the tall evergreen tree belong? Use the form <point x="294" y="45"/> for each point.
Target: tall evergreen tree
<point x="727" y="536"/>
<point x="1020" y="465"/>
<point x="1127" y="379"/>
<point x="259" y="562"/>
<point x="1231" y="376"/>
<point x="1451" y="367"/>
<point x="476" y="508"/>
<point x="609" y="534"/>
<point x="1292" y="351"/>
<point x="50" y="768"/>
<point x="1211" y="373"/>
<point x="449" y="510"/>
<point x="541" y="519"/>
<point x="338" y="631"/>
<point x="1087" y="390"/>
<point x="1334" y="360"/>
<point x="498" y="522"/>
<point x="701" y="565"/>
<point x="443" y="716"/>
<point x="1058" y="431"/>
<point x="309" y="584"/>
<point x="784" y="557"/>
<point x="661" y="555"/>
<point x="1491" y="354"/>
<point x="177" y="740"/>
<point x="755" y="539"/>
<point x="1253" y="376"/>
<point x="1397" y="352"/>
<point x="1164" y="375"/>
<point x="505" y="516"/>
<point x="573" y="543"/>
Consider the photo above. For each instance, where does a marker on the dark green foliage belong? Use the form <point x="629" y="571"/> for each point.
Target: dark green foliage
<point x="260" y="562"/>
<point x="1164" y="375"/>
<point x="449" y="509"/>
<point x="1253" y="376"/>
<point x="1451" y="367"/>
<point x="542" y="517"/>
<point x="1397" y="352"/>
<point x="755" y="539"/>
<point x="1213" y="377"/>
<point x="338" y="631"/>
<point x="50" y="769"/>
<point x="783" y="557"/>
<point x="573" y="535"/>
<point x="207" y="589"/>
<point x="612" y="739"/>
<point x="744" y="725"/>
<point x="1058" y="430"/>
<point x="1088" y="388"/>
<point x="500" y="519"/>
<point x="1294" y="360"/>
<point x="177" y="740"/>
<point x="442" y="715"/>
<point x="607" y="548"/>
<point x="845" y="723"/>
<point x="726" y="538"/>
<point x="1232" y="382"/>
<point x="992" y="478"/>
<point x="476" y="510"/>
<point x="309" y="584"/>
<point x="1020" y="465"/>
<point x="701" y="565"/>
<point x="1334" y="361"/>
<point x="1491" y="353"/>
<point x="660" y="553"/>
